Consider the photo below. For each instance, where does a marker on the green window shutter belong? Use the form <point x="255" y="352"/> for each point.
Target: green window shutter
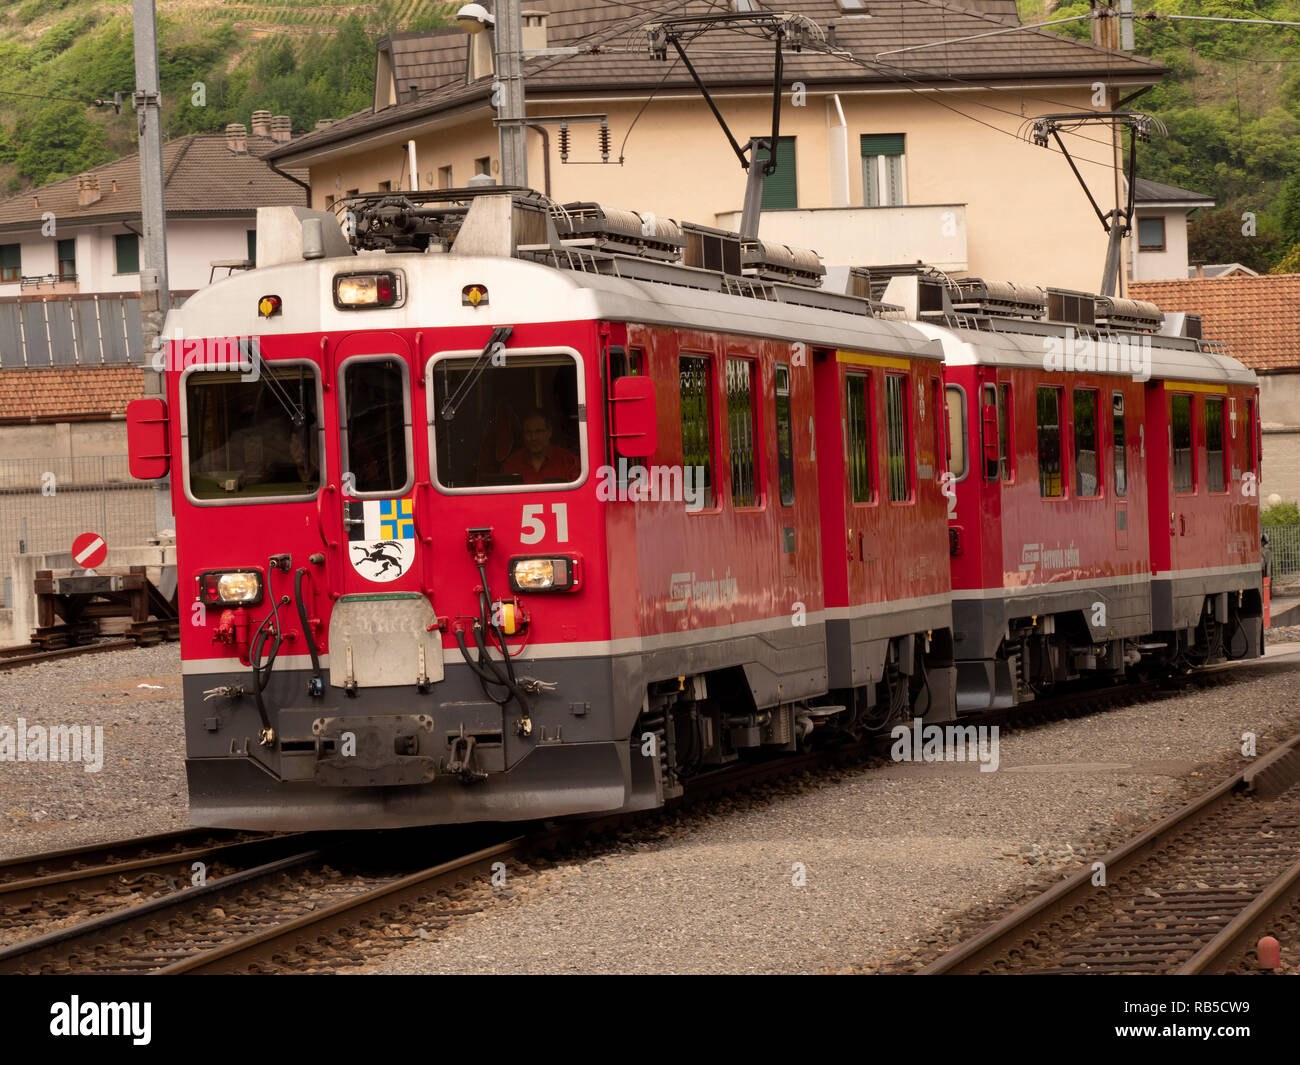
<point x="252" y="244"/>
<point x="779" y="187"/>
<point x="882" y="143"/>
<point x="11" y="256"/>
<point x="127" y="247"/>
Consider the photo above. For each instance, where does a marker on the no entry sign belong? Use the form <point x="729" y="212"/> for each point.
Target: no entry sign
<point x="89" y="550"/>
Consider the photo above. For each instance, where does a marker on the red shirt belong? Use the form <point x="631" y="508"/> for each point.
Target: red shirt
<point x="559" y="465"/>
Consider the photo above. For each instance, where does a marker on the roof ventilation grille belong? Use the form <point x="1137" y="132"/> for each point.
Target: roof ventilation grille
<point x="712" y="249"/>
<point x="1066" y="307"/>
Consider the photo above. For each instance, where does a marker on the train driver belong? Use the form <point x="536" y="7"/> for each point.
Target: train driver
<point x="539" y="461"/>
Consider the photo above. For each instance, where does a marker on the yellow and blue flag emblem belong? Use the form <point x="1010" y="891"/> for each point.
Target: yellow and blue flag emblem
<point x="396" y="519"/>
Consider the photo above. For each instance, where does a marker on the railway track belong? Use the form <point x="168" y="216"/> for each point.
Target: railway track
<point x="1191" y="894"/>
<point x="34" y="654"/>
<point x="315" y="902"/>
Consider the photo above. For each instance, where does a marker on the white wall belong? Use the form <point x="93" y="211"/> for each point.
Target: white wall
<point x="192" y="244"/>
<point x="1166" y="265"/>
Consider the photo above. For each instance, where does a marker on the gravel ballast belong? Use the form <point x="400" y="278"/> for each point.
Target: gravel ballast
<point x="135" y="697"/>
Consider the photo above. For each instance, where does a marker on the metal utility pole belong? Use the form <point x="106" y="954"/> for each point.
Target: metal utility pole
<point x="508" y="37"/>
<point x="154" y="291"/>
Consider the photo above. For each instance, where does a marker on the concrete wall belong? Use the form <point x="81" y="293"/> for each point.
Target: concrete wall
<point x="59" y="440"/>
<point x="1279" y="408"/>
<point x="1026" y="218"/>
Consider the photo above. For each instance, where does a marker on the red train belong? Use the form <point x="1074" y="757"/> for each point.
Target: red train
<point x="502" y="510"/>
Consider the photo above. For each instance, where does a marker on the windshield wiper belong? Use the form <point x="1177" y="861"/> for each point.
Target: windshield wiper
<point x="498" y="341"/>
<point x="276" y="389"/>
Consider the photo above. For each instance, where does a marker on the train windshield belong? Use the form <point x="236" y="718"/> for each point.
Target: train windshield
<point x="251" y="438"/>
<point x="516" y="424"/>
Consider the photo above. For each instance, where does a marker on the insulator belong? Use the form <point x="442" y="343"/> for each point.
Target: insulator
<point x="604" y="141"/>
<point x="564" y="142"/>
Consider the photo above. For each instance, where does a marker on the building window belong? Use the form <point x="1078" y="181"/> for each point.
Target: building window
<point x="126" y="247"/>
<point x="444" y="178"/>
<point x="68" y="260"/>
<point x="896" y="438"/>
<point x="696" y="386"/>
<point x="1087" y="481"/>
<point x="1050" y="481"/>
<point x="784" y="436"/>
<point x="955" y="407"/>
<point x="329" y="202"/>
<point x="1151" y="234"/>
<point x="857" y="415"/>
<point x="883" y="175"/>
<point x="1215" y="475"/>
<point x="741" y="432"/>
<point x="11" y="262"/>
<point x="482" y="165"/>
<point x="780" y="189"/>
<point x="252" y="245"/>
<point x="1121" y="442"/>
<point x="1180" y="436"/>
<point x="385" y="186"/>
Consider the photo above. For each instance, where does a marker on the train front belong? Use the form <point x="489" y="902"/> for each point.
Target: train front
<point x="391" y="554"/>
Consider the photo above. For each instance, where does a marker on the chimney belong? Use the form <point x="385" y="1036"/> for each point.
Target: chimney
<point x="87" y="190"/>
<point x="114" y="185"/>
<point x="412" y="93"/>
<point x="324" y="123"/>
<point x="281" y="129"/>
<point x="1200" y="269"/>
<point x="534" y="27"/>
<point x="261" y="123"/>
<point x="237" y="138"/>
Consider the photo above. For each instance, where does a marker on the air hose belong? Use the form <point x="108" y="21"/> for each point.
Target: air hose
<point x="316" y="686"/>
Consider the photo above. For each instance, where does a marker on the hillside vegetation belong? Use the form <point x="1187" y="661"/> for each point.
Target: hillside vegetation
<point x="1232" y="107"/>
<point x="218" y="63"/>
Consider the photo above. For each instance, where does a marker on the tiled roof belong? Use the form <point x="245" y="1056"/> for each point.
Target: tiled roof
<point x="1147" y="191"/>
<point x="616" y="58"/>
<point x="203" y="178"/>
<point x="77" y="393"/>
<point x="1259" y="317"/>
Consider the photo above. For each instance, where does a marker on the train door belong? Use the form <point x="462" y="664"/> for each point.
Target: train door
<point x="375" y="466"/>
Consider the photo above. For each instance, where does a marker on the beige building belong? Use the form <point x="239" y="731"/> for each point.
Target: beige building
<point x="1161" y="214"/>
<point x="895" y="147"/>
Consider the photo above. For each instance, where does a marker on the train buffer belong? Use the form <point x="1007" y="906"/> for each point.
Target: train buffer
<point x="72" y="605"/>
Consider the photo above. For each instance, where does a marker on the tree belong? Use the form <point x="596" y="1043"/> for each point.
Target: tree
<point x="57" y="142"/>
<point x="1216" y="237"/>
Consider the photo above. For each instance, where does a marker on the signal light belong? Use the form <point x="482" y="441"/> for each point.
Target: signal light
<point x="549" y="574"/>
<point x="365" y="290"/>
<point x="230" y="587"/>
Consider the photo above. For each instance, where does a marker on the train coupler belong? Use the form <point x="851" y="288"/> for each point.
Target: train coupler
<point x="462" y="760"/>
<point x="372" y="751"/>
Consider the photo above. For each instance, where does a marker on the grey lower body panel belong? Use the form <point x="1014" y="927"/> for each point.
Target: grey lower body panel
<point x="856" y="647"/>
<point x="1177" y="601"/>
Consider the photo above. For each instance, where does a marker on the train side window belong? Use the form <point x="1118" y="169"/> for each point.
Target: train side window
<point x="1051" y="480"/>
<point x="857" y="416"/>
<point x="252" y="439"/>
<point x="1005" y="431"/>
<point x="955" y="407"/>
<point x="1087" y="470"/>
<point x="742" y="432"/>
<point x="374" y="438"/>
<point x="991" y="466"/>
<point x="696" y="386"/>
<point x="1121" y="443"/>
<point x="1216" y="477"/>
<point x="1180" y="439"/>
<point x="897" y="438"/>
<point x="784" y="435"/>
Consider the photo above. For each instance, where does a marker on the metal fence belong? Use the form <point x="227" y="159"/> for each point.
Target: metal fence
<point x="1284" y="542"/>
<point x="46" y="503"/>
<point x="72" y="329"/>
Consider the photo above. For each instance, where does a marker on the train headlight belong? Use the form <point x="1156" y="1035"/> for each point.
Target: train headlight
<point x="231" y="587"/>
<point x="353" y="291"/>
<point x="546" y="574"/>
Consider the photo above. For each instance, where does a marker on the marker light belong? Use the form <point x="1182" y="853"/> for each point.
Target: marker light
<point x="365" y="290"/>
<point x="268" y="305"/>
<point x="543" y="574"/>
<point x="235" y="586"/>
